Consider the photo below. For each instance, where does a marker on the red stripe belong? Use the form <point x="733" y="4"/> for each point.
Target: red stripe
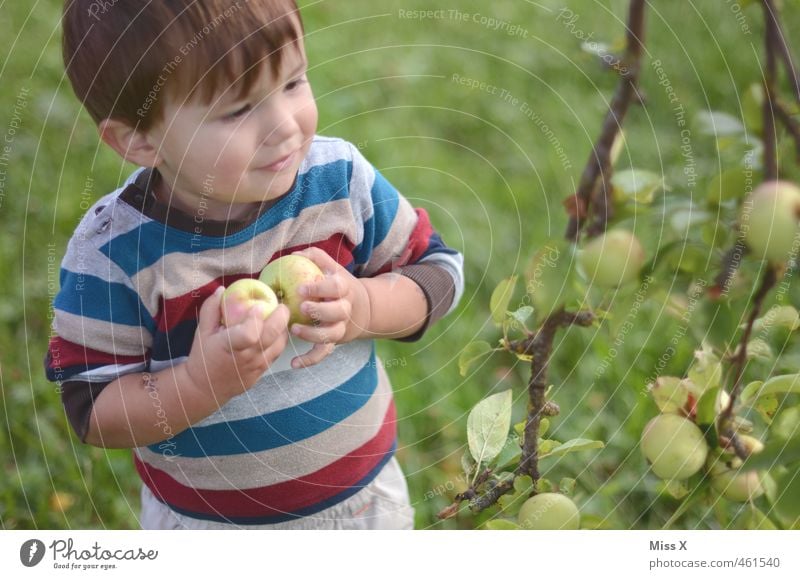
<point x="417" y="243"/>
<point x="337" y="246"/>
<point x="65" y="354"/>
<point x="185" y="307"/>
<point x="280" y="498"/>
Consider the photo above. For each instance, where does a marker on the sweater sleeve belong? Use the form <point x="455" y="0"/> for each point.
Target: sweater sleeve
<point x="396" y="237"/>
<point x="101" y="329"/>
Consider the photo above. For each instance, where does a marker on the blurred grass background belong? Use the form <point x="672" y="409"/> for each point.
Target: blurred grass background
<point x="490" y="164"/>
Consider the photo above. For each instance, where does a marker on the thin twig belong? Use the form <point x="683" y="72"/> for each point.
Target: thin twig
<point x="782" y="47"/>
<point x="770" y="134"/>
<point x="740" y="357"/>
<point x="599" y="163"/>
<point x="792" y="124"/>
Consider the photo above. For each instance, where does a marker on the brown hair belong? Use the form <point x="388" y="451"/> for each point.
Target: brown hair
<point x="123" y="57"/>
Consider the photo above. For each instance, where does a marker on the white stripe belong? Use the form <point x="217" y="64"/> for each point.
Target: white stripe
<point x="454" y="265"/>
<point x="284" y="389"/>
<point x="280" y="464"/>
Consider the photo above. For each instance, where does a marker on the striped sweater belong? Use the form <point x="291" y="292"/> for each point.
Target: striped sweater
<point x="298" y="441"/>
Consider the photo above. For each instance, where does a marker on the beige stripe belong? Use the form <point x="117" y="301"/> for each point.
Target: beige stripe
<point x="103" y="336"/>
<point x="177" y="274"/>
<point x="279" y="464"/>
<point x="396" y="240"/>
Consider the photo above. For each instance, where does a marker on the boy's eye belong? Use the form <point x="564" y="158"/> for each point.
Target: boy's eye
<point x="238" y="113"/>
<point x="293" y="85"/>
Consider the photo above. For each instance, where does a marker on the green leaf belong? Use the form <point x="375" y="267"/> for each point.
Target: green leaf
<point x="511" y="452"/>
<point x="752" y="103"/>
<point x="523" y="484"/>
<point x="501" y="297"/>
<point x="471" y="354"/>
<point x="501" y="525"/>
<point x="637" y="185"/>
<point x="786" y="384"/>
<point x="776" y="452"/>
<point x="777" y="317"/>
<point x="706" y="370"/>
<point x="718" y="124"/>
<point x="566" y="486"/>
<point x="574" y="445"/>
<point x="727" y="185"/>
<point x="677" y="489"/>
<point x="707" y="407"/>
<point x="468" y="464"/>
<point x="756" y="520"/>
<point x="788" y="500"/>
<point x="488" y="424"/>
<point x="522" y="314"/>
<point x="550" y="278"/>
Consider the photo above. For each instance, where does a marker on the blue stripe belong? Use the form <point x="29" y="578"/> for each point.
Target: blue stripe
<point x="278" y="428"/>
<point x="91" y="297"/>
<point x="135" y="250"/>
<point x="385" y="202"/>
<point x="436" y="245"/>
<point x="304" y="512"/>
<point x="174" y="343"/>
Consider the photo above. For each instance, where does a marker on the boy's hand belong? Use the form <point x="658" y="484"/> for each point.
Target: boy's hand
<point x="339" y="304"/>
<point x="225" y="362"/>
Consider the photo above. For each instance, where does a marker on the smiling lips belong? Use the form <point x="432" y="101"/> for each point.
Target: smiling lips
<point x="280" y="164"/>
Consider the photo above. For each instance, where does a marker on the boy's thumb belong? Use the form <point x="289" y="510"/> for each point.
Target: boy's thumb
<point x="209" y="317"/>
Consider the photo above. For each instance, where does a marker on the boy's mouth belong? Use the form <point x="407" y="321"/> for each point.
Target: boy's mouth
<point x="280" y="164"/>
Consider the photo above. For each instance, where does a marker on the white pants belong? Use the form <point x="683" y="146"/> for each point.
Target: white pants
<point x="382" y="504"/>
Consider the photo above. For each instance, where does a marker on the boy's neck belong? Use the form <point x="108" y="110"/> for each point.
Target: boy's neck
<point x="204" y="207"/>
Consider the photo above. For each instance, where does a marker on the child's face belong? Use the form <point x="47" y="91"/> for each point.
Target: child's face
<point x="217" y="159"/>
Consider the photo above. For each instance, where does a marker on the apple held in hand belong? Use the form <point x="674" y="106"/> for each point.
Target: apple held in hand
<point x="612" y="259"/>
<point x="284" y="276"/>
<point x="242" y="295"/>
<point x="674" y="446"/>
<point x="770" y="219"/>
<point x="549" y="511"/>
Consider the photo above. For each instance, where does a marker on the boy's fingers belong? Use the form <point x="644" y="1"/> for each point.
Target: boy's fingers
<point x="314" y="356"/>
<point x="330" y="287"/>
<point x="318" y="335"/>
<point x="208" y="318"/>
<point x="324" y="261"/>
<point x="245" y="334"/>
<point x="276" y="325"/>
<point x="327" y="312"/>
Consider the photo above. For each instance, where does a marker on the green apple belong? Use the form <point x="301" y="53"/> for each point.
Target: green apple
<point x="243" y="294"/>
<point x="674" y="446"/>
<point x="285" y="275"/>
<point x="739" y="486"/>
<point x="612" y="259"/>
<point x="549" y="511"/>
<point x="769" y="219"/>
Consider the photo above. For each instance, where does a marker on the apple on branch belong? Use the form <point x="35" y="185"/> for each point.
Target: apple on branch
<point x="770" y="220"/>
<point x="239" y="297"/>
<point x="285" y="276"/>
<point x="549" y="511"/>
<point x="674" y="446"/>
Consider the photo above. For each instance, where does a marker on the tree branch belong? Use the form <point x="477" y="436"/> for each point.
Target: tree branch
<point x="770" y="136"/>
<point x="782" y="47"/>
<point x="740" y="358"/>
<point x="599" y="163"/>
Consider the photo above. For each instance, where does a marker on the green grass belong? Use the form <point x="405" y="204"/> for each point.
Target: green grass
<point x="481" y="162"/>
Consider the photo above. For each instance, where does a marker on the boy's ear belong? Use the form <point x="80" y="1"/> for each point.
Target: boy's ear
<point x="131" y="144"/>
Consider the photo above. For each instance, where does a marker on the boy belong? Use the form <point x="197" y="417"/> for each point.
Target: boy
<point x="255" y="425"/>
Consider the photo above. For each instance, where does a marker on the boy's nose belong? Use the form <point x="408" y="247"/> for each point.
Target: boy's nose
<point x="280" y="124"/>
